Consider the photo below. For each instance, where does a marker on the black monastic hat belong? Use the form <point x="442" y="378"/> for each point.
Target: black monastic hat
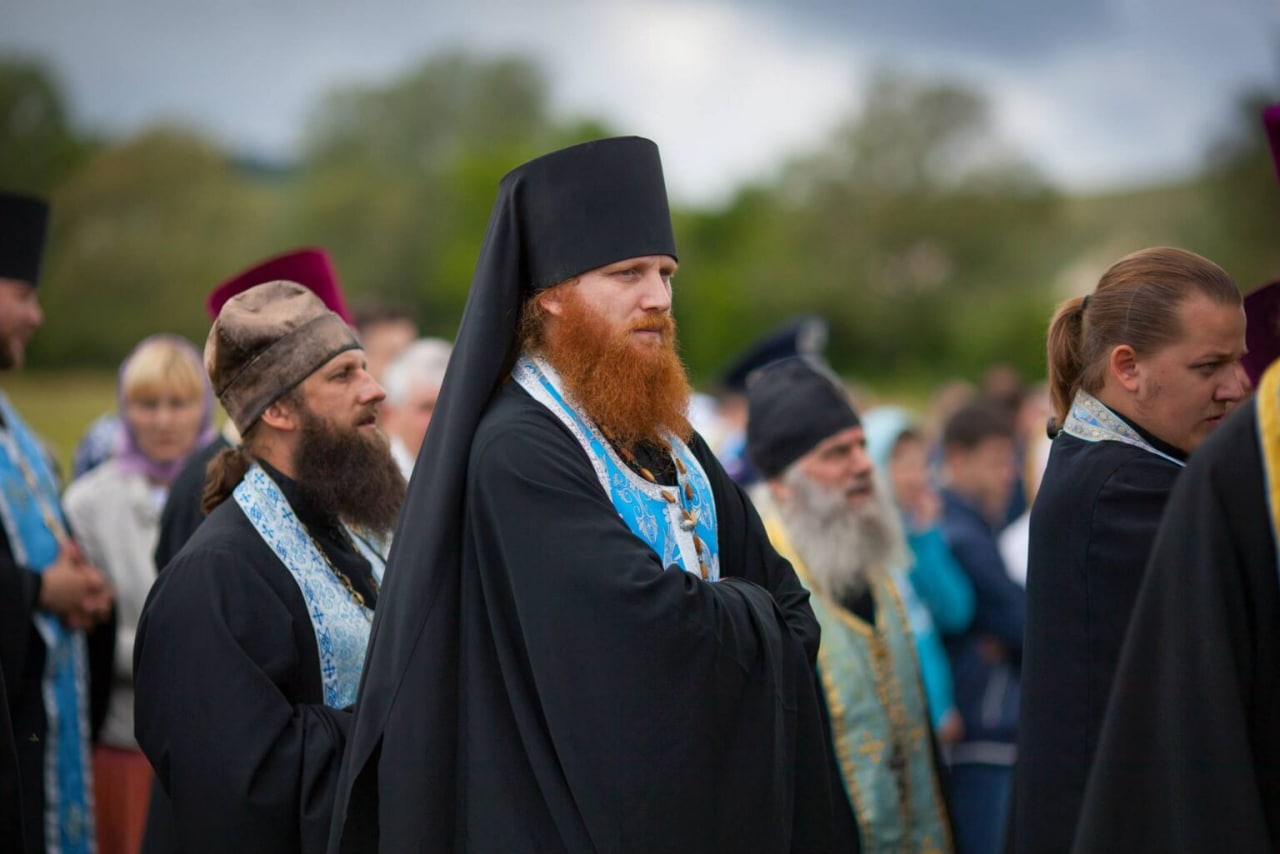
<point x="555" y="217"/>
<point x="793" y="405"/>
<point x="590" y="205"/>
<point x="23" y="223"/>
<point x="1262" y="305"/>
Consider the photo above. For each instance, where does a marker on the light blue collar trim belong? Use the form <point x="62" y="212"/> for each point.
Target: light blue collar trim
<point x="341" y="624"/>
<point x="1090" y="420"/>
<point x="641" y="504"/>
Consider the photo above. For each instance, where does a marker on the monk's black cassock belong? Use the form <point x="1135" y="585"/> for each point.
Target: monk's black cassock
<point x="536" y="679"/>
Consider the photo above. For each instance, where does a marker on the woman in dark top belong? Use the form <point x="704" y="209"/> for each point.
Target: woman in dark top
<point x="1140" y="371"/>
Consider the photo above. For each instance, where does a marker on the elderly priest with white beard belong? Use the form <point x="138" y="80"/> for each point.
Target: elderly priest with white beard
<point x="825" y="513"/>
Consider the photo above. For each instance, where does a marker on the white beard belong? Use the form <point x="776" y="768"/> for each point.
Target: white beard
<point x="843" y="547"/>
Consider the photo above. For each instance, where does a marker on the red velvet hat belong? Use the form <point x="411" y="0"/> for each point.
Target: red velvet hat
<point x="1262" y="306"/>
<point x="312" y="268"/>
<point x="1262" y="335"/>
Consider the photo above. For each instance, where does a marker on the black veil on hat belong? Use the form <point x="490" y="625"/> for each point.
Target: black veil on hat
<point x="23" y="223"/>
<point x="804" y="336"/>
<point x="563" y="214"/>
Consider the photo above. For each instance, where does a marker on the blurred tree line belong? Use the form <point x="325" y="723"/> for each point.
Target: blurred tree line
<point x="932" y="248"/>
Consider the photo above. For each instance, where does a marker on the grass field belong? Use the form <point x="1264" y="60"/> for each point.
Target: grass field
<point x="59" y="405"/>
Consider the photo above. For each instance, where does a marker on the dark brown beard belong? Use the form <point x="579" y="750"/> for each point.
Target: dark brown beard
<point x="349" y="474"/>
<point x="8" y="359"/>
<point x="633" y="392"/>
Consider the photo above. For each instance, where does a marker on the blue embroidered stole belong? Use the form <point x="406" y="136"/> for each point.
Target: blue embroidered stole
<point x="871" y="681"/>
<point x="640" y="503"/>
<point x="340" y="623"/>
<point x="34" y="523"/>
<point x="1091" y="420"/>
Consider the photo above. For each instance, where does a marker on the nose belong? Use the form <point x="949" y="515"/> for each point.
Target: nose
<point x="371" y="392"/>
<point x="37" y="313"/>
<point x="860" y="461"/>
<point x="656" y="293"/>
<point x="165" y="415"/>
<point x="1234" y="387"/>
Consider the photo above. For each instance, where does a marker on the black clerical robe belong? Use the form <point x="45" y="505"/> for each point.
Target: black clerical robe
<point x="182" y="514"/>
<point x="22" y="663"/>
<point x="229" y="703"/>
<point x="1092" y="526"/>
<point x="1189" y="757"/>
<point x="577" y="695"/>
<point x="10" y="781"/>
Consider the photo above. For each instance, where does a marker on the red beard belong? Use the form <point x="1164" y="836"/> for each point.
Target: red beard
<point x="633" y="391"/>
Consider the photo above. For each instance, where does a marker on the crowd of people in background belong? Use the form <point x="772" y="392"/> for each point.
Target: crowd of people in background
<point x="326" y="585"/>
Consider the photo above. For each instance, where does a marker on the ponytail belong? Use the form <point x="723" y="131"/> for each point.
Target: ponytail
<point x="223" y="475"/>
<point x="1066" y="358"/>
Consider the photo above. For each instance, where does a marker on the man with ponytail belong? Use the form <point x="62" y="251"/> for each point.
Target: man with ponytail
<point x="250" y="647"/>
<point x="310" y="267"/>
<point x="1189" y="756"/>
<point x="1141" y="371"/>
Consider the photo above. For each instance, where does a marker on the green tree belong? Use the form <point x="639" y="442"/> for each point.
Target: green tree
<point x="923" y="240"/>
<point x="139" y="237"/>
<point x="1241" y="221"/>
<point x="38" y="145"/>
<point x="398" y="179"/>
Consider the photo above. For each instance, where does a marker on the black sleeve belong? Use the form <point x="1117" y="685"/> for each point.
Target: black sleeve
<point x="102" y="652"/>
<point x="1189" y="756"/>
<point x="1126" y="516"/>
<point x="747" y="552"/>
<point x="245" y="768"/>
<point x="19" y="596"/>
<point x="178" y="521"/>
<point x="182" y="514"/>
<point x="10" y="782"/>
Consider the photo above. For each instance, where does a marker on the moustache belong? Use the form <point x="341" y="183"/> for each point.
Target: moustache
<point x="658" y="323"/>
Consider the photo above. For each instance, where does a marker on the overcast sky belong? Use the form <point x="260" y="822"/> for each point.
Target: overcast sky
<point x="1096" y="92"/>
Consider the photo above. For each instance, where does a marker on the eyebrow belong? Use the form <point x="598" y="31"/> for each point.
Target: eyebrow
<point x="1217" y="356"/>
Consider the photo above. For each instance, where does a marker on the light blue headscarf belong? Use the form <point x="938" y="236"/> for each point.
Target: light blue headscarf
<point x="883" y="425"/>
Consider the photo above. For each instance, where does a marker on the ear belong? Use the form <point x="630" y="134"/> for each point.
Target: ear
<point x="552" y="300"/>
<point x="1124" y="367"/>
<point x="280" y="416"/>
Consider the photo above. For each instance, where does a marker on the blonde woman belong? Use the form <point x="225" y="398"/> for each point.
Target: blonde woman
<point x="166" y="411"/>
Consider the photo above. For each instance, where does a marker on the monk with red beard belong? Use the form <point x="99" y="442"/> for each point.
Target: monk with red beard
<point x="586" y="642"/>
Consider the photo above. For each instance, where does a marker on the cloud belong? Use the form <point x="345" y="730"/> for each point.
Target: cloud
<point x="1015" y="29"/>
<point x="1095" y="91"/>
